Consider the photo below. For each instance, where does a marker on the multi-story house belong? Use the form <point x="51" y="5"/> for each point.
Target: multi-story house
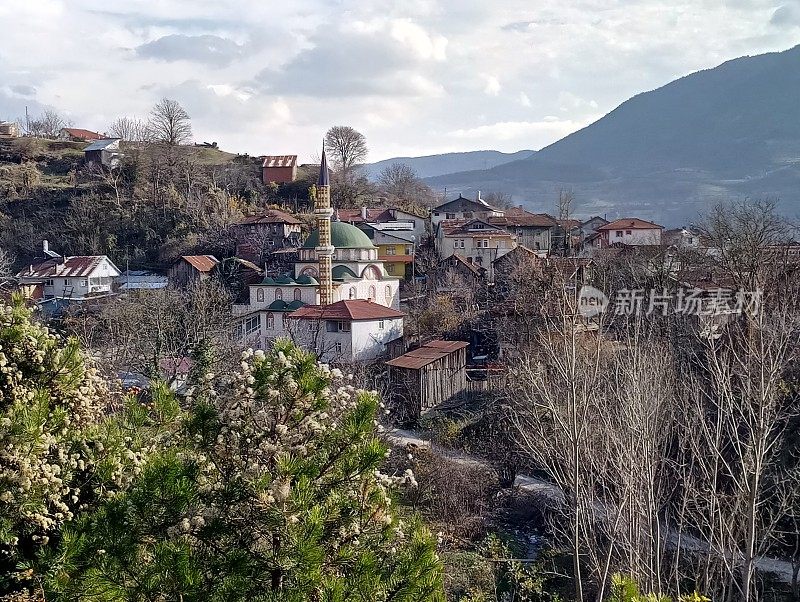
<point x="259" y="235"/>
<point x="74" y="277"/>
<point x="630" y="231"/>
<point x="463" y="208"/>
<point x="477" y="241"/>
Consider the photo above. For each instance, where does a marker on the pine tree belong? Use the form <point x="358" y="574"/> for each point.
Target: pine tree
<point x="272" y="491"/>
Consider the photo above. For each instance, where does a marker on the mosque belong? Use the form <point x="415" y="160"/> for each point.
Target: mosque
<point x="338" y="301"/>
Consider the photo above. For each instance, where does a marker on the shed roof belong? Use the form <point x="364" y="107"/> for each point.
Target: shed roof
<point x="81" y="133"/>
<point x="101" y="144"/>
<point x="202" y="263"/>
<point x="427" y="354"/>
<point x="280" y="161"/>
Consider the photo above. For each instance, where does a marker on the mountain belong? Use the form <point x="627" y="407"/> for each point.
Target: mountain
<point x="437" y="165"/>
<point x="725" y="133"/>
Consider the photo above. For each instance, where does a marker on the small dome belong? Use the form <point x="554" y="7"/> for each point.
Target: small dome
<point x="342" y="272"/>
<point x="267" y="280"/>
<point x="297" y="304"/>
<point x="306" y="279"/>
<point x="284" y="280"/>
<point x="343" y="236"/>
<point x="277" y="305"/>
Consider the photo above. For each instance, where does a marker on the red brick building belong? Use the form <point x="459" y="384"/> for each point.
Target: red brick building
<point x="280" y="169"/>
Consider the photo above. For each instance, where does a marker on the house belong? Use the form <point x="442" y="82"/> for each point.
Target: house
<point x="279" y="169"/>
<point x="590" y="226"/>
<point x="389" y="219"/>
<point x="462" y="208"/>
<point x="103" y="152"/>
<point x="478" y="241"/>
<point x="533" y="230"/>
<point x="259" y="235"/>
<point x="79" y="135"/>
<point x="428" y="376"/>
<point x="8" y="130"/>
<point x="74" y="277"/>
<point x="352" y="330"/>
<point x="237" y="275"/>
<point x="396" y="251"/>
<point x="628" y="231"/>
<point x="683" y="238"/>
<point x="456" y="271"/>
<point x="190" y="269"/>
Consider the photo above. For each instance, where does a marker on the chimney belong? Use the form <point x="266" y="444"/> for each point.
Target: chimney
<point x="45" y="246"/>
<point x="478" y="198"/>
<point x="364" y="212"/>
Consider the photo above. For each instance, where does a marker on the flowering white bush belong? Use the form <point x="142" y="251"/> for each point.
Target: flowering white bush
<point x="272" y="491"/>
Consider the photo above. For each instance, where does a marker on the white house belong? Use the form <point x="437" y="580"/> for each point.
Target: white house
<point x="75" y="277"/>
<point x="463" y="208"/>
<point x="628" y="231"/>
<point x="477" y="241"/>
<point x="346" y="331"/>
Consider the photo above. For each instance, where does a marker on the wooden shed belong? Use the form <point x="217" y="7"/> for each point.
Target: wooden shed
<point x="432" y="374"/>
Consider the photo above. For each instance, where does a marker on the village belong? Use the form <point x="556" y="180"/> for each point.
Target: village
<point x="356" y="286"/>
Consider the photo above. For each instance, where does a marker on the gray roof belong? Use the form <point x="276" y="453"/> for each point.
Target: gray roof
<point x="101" y="144"/>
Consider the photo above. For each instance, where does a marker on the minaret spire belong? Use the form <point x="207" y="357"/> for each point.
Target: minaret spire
<point x="323" y="213"/>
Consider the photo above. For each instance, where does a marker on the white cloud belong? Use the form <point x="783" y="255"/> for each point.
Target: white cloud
<point x="419" y="76"/>
<point x="492" y="87"/>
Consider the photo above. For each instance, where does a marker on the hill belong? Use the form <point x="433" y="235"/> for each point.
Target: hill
<point x="728" y="132"/>
<point x="436" y="165"/>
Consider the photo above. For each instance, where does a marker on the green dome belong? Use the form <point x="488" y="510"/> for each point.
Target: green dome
<point x="343" y="236"/>
<point x="342" y="272"/>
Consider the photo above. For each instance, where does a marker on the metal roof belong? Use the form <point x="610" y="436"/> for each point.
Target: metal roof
<point x="203" y="263"/>
<point x="101" y="144"/>
<point x="280" y="161"/>
<point x="427" y="354"/>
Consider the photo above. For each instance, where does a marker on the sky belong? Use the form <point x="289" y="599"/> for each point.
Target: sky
<point x="416" y="77"/>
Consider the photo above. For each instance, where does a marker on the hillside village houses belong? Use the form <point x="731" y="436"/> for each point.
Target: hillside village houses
<point x="258" y="235"/>
<point x="627" y="231"/>
<point x="79" y="135"/>
<point x="103" y="152"/>
<point x="71" y="277"/>
<point x="279" y="169"/>
<point x="190" y="269"/>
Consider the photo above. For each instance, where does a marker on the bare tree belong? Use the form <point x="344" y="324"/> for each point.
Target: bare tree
<point x="6" y="262"/>
<point x="129" y="129"/>
<point x="48" y="125"/>
<point x="347" y="148"/>
<point x="170" y="123"/>
<point x="401" y="182"/>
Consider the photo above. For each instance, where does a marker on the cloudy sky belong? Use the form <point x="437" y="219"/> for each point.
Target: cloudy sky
<point x="415" y="76"/>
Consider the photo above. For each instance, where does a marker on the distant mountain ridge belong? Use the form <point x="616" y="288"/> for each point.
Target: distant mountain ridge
<point x="437" y="165"/>
<point x="724" y="133"/>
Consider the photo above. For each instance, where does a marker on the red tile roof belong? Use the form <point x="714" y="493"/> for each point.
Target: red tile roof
<point x="396" y="258"/>
<point x="203" y="263"/>
<point x="83" y="134"/>
<point x="273" y="216"/>
<point x="352" y="309"/>
<point x="280" y="161"/>
<point x="374" y="214"/>
<point x="471" y="266"/>
<point x="630" y="223"/>
<point x="78" y="266"/>
<point x="427" y="354"/>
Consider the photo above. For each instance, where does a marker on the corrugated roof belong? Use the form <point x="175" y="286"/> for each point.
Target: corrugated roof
<point x="630" y="223"/>
<point x="352" y="309"/>
<point x="78" y="266"/>
<point x="203" y="263"/>
<point x="280" y="161"/>
<point x="101" y="144"/>
<point x="427" y="354"/>
<point x="273" y="216"/>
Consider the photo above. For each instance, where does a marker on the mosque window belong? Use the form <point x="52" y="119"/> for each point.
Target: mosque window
<point x="278" y="294"/>
<point x="298" y="295"/>
<point x="260" y="295"/>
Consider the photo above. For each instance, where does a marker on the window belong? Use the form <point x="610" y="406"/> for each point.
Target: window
<point x="337" y="326"/>
<point x="618" y="234"/>
<point x="390" y="268"/>
<point x="450" y="216"/>
<point x="274" y="228"/>
<point x="331" y="326"/>
<point x="352" y="294"/>
<point x="343" y="326"/>
<point x="278" y="294"/>
<point x="338" y="347"/>
<point x="372" y="293"/>
<point x="270" y="321"/>
<point x="66" y="281"/>
<point x="467" y="214"/>
<point x="298" y="295"/>
<point x="84" y="283"/>
<point x="436" y="214"/>
<point x="628" y="232"/>
<point x="252" y="324"/>
<point x="380" y="324"/>
<point x="271" y="242"/>
<point x="48" y="282"/>
<point x="260" y="295"/>
<point x="388" y="293"/>
<point x="409" y="250"/>
<point x="391" y="250"/>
